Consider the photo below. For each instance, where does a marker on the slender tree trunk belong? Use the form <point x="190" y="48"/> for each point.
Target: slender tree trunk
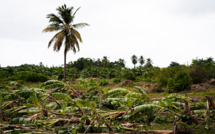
<point x="64" y="65"/>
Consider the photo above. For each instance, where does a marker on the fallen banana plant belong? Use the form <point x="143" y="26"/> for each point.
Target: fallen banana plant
<point x="57" y="107"/>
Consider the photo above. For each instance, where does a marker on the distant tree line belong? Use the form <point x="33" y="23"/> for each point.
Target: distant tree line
<point x="173" y="78"/>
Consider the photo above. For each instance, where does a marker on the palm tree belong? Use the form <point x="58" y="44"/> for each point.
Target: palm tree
<point x="134" y="59"/>
<point x="66" y="31"/>
<point x="105" y="61"/>
<point x="141" y="60"/>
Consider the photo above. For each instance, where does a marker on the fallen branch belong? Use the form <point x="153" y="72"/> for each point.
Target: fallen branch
<point x="211" y="102"/>
<point x="119" y="114"/>
<point x="1" y="132"/>
<point x="106" y="122"/>
<point x="73" y="120"/>
<point x="55" y="100"/>
<point x="67" y="114"/>
<point x="90" y="125"/>
<point x="150" y="131"/>
<point x="155" y="131"/>
<point x="20" y="127"/>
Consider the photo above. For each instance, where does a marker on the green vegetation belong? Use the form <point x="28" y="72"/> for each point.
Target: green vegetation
<point x="174" y="78"/>
<point x="100" y="96"/>
<point x="104" y="96"/>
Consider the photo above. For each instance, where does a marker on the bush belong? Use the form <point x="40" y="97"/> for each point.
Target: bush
<point x="147" y="80"/>
<point x="116" y="80"/>
<point x="30" y="76"/>
<point x="197" y="74"/>
<point x="3" y="74"/>
<point x="103" y="82"/>
<point x="180" y="82"/>
<point x="129" y="74"/>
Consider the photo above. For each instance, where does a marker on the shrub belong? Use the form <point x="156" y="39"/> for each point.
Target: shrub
<point x="103" y="82"/>
<point x="30" y="76"/>
<point x="180" y="82"/>
<point x="197" y="74"/>
<point x="147" y="80"/>
<point x="129" y="75"/>
<point x="3" y="74"/>
<point x="116" y="80"/>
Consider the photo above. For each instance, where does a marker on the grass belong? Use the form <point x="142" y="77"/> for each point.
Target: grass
<point x="210" y="93"/>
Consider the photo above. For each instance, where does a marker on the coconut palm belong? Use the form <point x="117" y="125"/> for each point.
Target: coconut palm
<point x="141" y="60"/>
<point x="66" y="31"/>
<point x="134" y="59"/>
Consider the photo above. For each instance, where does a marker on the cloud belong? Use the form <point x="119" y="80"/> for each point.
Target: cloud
<point x="164" y="30"/>
<point x="195" y="7"/>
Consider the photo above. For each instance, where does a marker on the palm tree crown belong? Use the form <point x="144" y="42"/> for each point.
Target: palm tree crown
<point x="134" y="59"/>
<point x="141" y="60"/>
<point x="66" y="31"/>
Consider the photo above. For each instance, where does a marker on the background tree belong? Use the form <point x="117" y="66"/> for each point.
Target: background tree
<point x="67" y="33"/>
<point x="121" y="62"/>
<point x="141" y="60"/>
<point x="134" y="59"/>
<point x="105" y="61"/>
<point x="98" y="63"/>
<point x="149" y="63"/>
<point x="173" y="64"/>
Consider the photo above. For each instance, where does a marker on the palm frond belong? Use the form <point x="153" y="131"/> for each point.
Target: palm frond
<point x="75" y="43"/>
<point x="65" y="14"/>
<point x="59" y="40"/>
<point x="76" y="11"/>
<point x="71" y="43"/>
<point x="79" y="25"/>
<point x="53" y="39"/>
<point x="54" y="18"/>
<point x="76" y="34"/>
<point x="51" y="29"/>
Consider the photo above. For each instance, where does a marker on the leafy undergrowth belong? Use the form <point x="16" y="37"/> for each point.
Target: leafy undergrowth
<point x="57" y="107"/>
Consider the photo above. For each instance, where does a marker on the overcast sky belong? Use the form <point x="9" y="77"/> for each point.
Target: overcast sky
<point x="163" y="30"/>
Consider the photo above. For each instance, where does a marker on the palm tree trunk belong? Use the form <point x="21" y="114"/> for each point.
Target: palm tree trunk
<point x="64" y="65"/>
